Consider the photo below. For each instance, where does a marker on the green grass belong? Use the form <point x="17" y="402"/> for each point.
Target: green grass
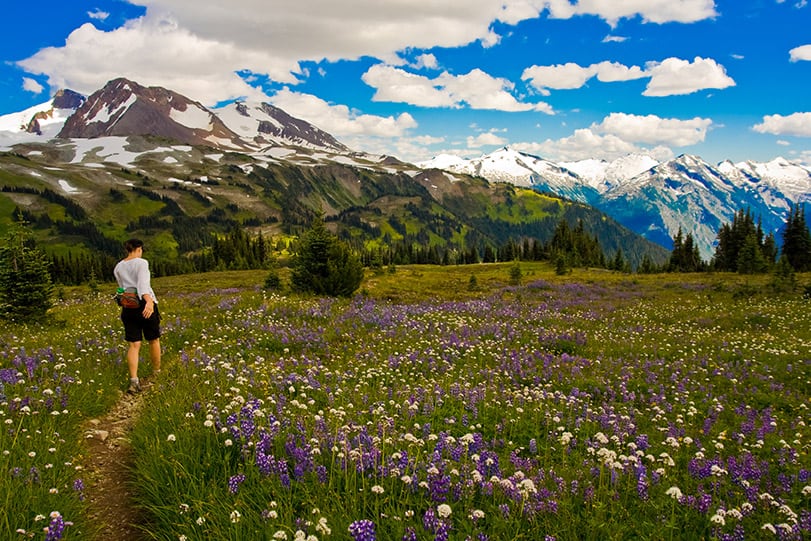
<point x="559" y="380"/>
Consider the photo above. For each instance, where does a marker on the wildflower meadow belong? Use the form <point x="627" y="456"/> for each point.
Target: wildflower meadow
<point x="589" y="406"/>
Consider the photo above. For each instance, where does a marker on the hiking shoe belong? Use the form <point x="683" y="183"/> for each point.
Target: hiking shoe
<point x="135" y="387"/>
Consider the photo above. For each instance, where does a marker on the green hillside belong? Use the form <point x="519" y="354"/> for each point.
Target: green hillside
<point x="182" y="199"/>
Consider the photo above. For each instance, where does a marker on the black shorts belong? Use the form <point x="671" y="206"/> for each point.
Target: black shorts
<point x="137" y="327"/>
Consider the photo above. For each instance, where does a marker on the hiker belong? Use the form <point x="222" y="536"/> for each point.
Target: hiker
<point x="132" y="274"/>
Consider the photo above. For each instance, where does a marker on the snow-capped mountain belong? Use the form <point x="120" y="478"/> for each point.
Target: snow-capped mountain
<point x="656" y="199"/>
<point x="124" y="108"/>
<point x="604" y="175"/>
<point x="264" y="125"/>
<point x="508" y="165"/>
<point x="43" y="120"/>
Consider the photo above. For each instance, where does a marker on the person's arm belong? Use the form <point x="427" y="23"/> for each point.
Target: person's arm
<point x="149" y="306"/>
<point x="145" y="288"/>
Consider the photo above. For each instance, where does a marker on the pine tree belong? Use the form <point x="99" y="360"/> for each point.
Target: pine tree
<point x="797" y="240"/>
<point x="515" y="273"/>
<point x="750" y="257"/>
<point x="784" y="278"/>
<point x="733" y="238"/>
<point x="324" y="265"/>
<point x="26" y="288"/>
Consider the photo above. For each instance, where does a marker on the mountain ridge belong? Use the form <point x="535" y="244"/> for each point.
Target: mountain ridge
<point x="657" y="199"/>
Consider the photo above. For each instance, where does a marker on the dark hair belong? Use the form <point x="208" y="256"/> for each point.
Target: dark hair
<point x="133" y="244"/>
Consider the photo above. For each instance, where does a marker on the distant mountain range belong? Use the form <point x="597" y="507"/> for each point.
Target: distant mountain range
<point x="651" y="198"/>
<point x="129" y="159"/>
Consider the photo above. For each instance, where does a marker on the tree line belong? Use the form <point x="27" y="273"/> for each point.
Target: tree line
<point x="204" y="245"/>
<point x="743" y="247"/>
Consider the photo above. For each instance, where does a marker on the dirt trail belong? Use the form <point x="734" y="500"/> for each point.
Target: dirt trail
<point x="109" y="475"/>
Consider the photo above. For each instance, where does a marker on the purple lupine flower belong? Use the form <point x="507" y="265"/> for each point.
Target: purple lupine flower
<point x="55" y="528"/>
<point x="78" y="486"/>
<point x="362" y="530"/>
<point x="443" y="531"/>
<point x="429" y="520"/>
<point x="410" y="534"/>
<point x="234" y="481"/>
<point x="642" y="484"/>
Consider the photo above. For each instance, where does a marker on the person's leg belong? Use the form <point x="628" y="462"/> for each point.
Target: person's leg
<point x="132" y="363"/>
<point x="155" y="354"/>
<point x="132" y="358"/>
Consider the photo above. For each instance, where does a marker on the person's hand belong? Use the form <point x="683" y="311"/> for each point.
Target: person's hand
<point x="149" y="308"/>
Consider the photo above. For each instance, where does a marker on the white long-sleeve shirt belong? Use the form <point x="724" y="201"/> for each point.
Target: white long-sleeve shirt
<point x="134" y="273"/>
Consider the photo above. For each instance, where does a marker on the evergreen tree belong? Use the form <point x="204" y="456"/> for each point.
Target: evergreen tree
<point x="685" y="256"/>
<point x="646" y="266"/>
<point x="26" y="288"/>
<point x="515" y="273"/>
<point x="797" y="240"/>
<point x="733" y="238"/>
<point x="325" y="265"/>
<point x="784" y="278"/>
<point x="560" y="265"/>
<point x="750" y="257"/>
<point x="619" y="263"/>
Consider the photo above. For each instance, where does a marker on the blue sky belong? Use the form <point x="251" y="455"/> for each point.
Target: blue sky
<point x="562" y="79"/>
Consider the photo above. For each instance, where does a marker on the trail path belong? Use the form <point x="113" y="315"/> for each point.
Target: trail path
<point x="108" y="466"/>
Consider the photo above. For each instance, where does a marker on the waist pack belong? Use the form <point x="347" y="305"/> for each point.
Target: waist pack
<point x="127" y="299"/>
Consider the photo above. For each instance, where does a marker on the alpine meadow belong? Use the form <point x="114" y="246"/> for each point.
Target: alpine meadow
<point x="440" y="402"/>
<point x="410" y="270"/>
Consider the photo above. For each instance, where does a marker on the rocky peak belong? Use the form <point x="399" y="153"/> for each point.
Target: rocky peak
<point x="281" y="125"/>
<point x="67" y="99"/>
<point x="123" y="107"/>
<point x="62" y="100"/>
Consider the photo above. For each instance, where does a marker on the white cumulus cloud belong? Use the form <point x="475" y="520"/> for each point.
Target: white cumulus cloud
<point x="803" y="52"/>
<point x="476" y="88"/>
<point x="669" y="77"/>
<point x="676" y="76"/>
<point x="653" y="11"/>
<point x="151" y="52"/>
<point x="339" y="120"/>
<point x="32" y="85"/>
<point x="486" y="139"/>
<point x="797" y="124"/>
<point x="197" y="46"/>
<point x="651" y="129"/>
<point x="571" y="75"/>
<point x="619" y="134"/>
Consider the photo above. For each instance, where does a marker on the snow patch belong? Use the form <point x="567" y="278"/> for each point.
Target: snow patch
<point x="193" y="117"/>
<point x="109" y="149"/>
<point x="279" y="152"/>
<point x="65" y="185"/>
<point x="105" y="114"/>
